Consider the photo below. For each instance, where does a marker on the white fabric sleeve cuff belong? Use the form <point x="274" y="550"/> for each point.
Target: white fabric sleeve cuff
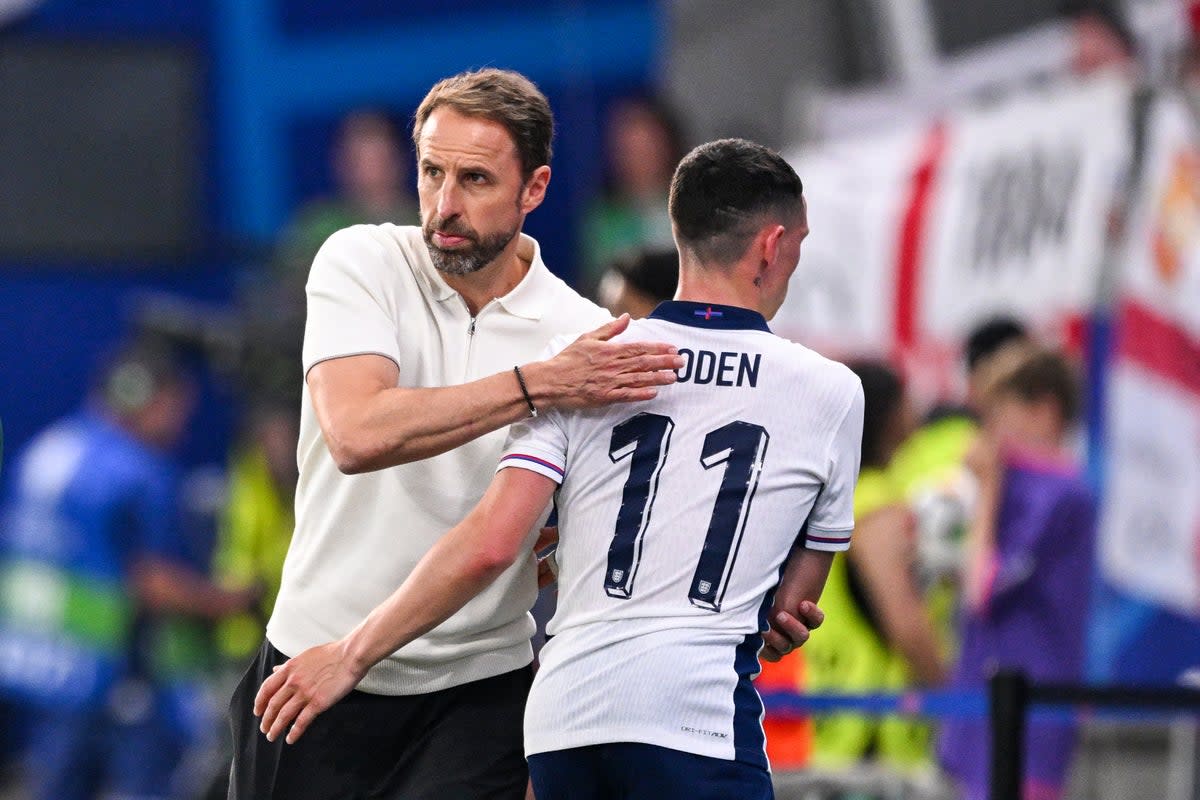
<point x="534" y="462"/>
<point x="829" y="541"/>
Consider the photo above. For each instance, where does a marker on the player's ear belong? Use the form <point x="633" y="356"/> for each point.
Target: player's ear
<point x="534" y="191"/>
<point x="772" y="237"/>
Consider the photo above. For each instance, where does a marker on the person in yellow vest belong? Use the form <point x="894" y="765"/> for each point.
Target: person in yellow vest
<point x="878" y="636"/>
<point x="256" y="526"/>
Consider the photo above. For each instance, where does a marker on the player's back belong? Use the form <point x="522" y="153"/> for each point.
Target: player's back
<point x="675" y="518"/>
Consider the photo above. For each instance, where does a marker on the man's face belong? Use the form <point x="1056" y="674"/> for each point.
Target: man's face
<point x="473" y="197"/>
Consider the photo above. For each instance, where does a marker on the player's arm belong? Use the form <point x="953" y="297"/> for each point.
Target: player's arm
<point x="795" y="614"/>
<point x="462" y="564"/>
<point x="827" y="530"/>
<point x="369" y="423"/>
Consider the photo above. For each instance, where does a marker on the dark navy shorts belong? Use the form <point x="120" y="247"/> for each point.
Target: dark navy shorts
<point x="633" y="771"/>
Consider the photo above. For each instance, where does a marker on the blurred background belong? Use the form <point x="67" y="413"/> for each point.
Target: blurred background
<point x="1005" y="210"/>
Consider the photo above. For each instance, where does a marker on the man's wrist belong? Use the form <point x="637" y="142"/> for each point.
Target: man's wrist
<point x="533" y="409"/>
<point x="355" y="654"/>
<point x="537" y="385"/>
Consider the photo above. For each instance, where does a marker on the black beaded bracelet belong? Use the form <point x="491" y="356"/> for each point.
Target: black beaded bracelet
<point x="525" y="392"/>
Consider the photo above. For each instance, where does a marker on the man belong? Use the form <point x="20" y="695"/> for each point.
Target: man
<point x="676" y="517"/>
<point x="98" y="590"/>
<point x="411" y="352"/>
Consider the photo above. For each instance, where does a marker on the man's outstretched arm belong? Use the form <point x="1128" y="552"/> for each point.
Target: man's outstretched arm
<point x="370" y="423"/>
<point x="462" y="564"/>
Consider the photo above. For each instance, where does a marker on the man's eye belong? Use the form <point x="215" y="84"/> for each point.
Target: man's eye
<point x="476" y="177"/>
<point x="432" y="172"/>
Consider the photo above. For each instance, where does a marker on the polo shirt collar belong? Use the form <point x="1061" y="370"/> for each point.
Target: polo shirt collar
<point x="710" y="315"/>
<point x="527" y="299"/>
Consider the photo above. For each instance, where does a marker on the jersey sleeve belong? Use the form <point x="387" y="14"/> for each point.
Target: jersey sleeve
<point x="538" y="445"/>
<point x="831" y="520"/>
<point x="347" y="311"/>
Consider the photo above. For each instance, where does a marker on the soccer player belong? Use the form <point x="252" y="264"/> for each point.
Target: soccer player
<point x="676" y="518"/>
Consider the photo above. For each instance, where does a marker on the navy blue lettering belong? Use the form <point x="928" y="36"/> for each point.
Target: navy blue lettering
<point x="748" y="370"/>
<point x="684" y="373"/>
<point x="726" y="368"/>
<point x="706" y="363"/>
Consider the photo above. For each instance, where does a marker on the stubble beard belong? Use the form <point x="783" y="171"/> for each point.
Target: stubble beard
<point x="465" y="260"/>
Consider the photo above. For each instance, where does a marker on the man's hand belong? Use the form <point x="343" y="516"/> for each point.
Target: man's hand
<point x="304" y="687"/>
<point x="593" y="371"/>
<point x="787" y="632"/>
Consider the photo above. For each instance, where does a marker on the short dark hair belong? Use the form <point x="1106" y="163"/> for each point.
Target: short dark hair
<point x="991" y="335"/>
<point x="653" y="272"/>
<point x="134" y="372"/>
<point x="1035" y="373"/>
<point x="502" y="96"/>
<point x="720" y="192"/>
<point x="883" y="391"/>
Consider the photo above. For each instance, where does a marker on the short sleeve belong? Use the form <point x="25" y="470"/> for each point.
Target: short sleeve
<point x="538" y="445"/>
<point x="347" y="309"/>
<point x="831" y="520"/>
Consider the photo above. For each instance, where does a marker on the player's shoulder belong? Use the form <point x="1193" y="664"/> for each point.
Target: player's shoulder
<point x="811" y="365"/>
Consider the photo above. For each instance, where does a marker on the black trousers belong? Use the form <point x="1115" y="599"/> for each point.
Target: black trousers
<point x="463" y="743"/>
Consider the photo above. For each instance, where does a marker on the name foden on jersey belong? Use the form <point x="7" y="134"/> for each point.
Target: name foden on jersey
<point x="719" y="369"/>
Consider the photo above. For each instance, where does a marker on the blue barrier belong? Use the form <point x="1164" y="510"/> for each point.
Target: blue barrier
<point x="969" y="704"/>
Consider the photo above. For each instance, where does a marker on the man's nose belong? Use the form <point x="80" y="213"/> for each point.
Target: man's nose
<point x="448" y="201"/>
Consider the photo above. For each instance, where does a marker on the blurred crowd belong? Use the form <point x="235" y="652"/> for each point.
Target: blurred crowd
<point x="126" y="606"/>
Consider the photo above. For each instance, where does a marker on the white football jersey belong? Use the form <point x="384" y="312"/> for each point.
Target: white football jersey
<point x="675" y="518"/>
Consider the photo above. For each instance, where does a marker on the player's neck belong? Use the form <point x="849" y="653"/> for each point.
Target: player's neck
<point x="719" y="289"/>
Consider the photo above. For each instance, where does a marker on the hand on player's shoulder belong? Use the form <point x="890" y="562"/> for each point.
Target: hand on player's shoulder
<point x="596" y="371"/>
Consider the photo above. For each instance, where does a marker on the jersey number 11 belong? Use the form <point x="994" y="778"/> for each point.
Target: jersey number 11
<point x="646" y="439"/>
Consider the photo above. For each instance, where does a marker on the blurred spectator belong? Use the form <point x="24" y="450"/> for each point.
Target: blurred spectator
<point x="929" y="472"/>
<point x="256" y="525"/>
<point x="637" y="282"/>
<point x="97" y="588"/>
<point x="877" y="635"/>
<point x="643" y="145"/>
<point x="1029" y="561"/>
<point x="370" y="167"/>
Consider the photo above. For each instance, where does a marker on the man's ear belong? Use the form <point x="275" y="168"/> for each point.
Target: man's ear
<point x="534" y="191"/>
<point x="771" y="235"/>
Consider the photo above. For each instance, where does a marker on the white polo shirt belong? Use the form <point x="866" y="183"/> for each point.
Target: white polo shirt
<point x="373" y="289"/>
